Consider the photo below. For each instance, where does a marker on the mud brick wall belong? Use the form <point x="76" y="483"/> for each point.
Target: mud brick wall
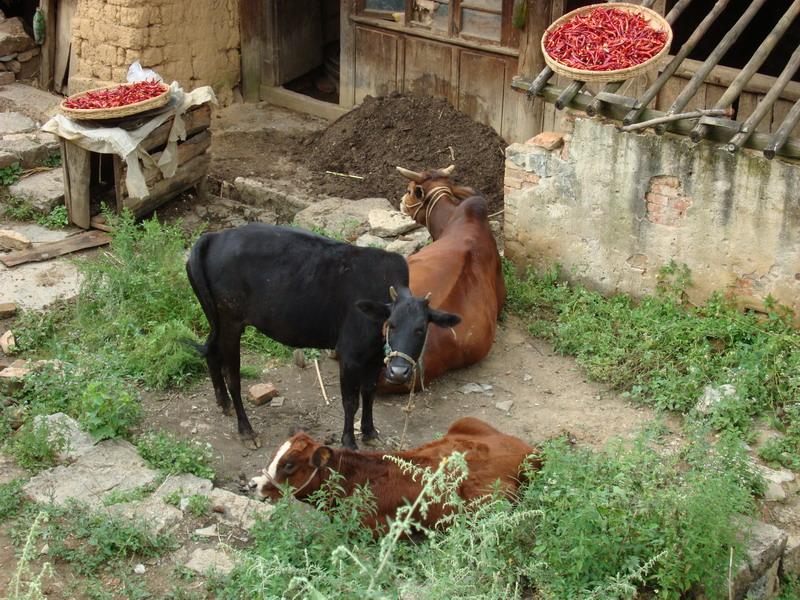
<point x="613" y="208"/>
<point x="195" y="43"/>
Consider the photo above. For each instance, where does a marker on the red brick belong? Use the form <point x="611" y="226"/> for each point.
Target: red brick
<point x="531" y="178"/>
<point x="656" y="198"/>
<point x="549" y="140"/>
<point x="261" y="393"/>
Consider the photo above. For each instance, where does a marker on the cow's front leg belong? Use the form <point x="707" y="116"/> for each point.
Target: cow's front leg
<point x="350" y="388"/>
<point x="368" y="386"/>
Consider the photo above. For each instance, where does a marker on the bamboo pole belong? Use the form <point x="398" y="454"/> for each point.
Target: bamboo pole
<point x="780" y="137"/>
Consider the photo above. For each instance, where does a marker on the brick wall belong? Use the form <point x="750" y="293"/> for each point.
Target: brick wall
<point x="195" y="43"/>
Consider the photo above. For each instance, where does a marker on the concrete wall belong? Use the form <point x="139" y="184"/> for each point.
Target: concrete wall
<point x="193" y="42"/>
<point x="613" y="208"/>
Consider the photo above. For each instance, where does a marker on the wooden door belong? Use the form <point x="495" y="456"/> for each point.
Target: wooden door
<point x="64" y="53"/>
<point x="297" y="42"/>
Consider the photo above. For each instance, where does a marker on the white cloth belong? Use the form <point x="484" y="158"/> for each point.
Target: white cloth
<point x="125" y="144"/>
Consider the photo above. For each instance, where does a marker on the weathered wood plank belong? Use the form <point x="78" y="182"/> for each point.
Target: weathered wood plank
<point x="428" y="68"/>
<point x="77" y="177"/>
<point x="251" y="30"/>
<point x="194" y="146"/>
<point x="292" y="100"/>
<point x="195" y="119"/>
<point x="63" y="42"/>
<point x="347" y="55"/>
<point x="81" y="241"/>
<point x="187" y="176"/>
<point x="48" y="50"/>
<point x="376" y="63"/>
<point x="779" y="112"/>
<point x="481" y="82"/>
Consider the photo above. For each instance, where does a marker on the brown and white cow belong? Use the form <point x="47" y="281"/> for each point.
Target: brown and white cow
<point x="461" y="270"/>
<point x="491" y="456"/>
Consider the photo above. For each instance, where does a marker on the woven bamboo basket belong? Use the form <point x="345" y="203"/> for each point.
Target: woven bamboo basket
<point x="655" y="20"/>
<point x="115" y="112"/>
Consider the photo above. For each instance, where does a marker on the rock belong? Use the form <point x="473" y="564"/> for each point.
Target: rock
<point x="368" y="240"/>
<point x="13" y="240"/>
<point x="757" y="577"/>
<point x="774" y="492"/>
<point x="12" y="379"/>
<point x="390" y="223"/>
<point x="28" y="54"/>
<point x="475" y="388"/>
<point x="527" y="377"/>
<point x="791" y="556"/>
<point x="338" y="216"/>
<point x="261" y="393"/>
<point x="111" y="465"/>
<point x="186" y="485"/>
<point x="549" y="140"/>
<point x="44" y="190"/>
<point x="139" y="569"/>
<point x="7" y="77"/>
<point x="206" y="560"/>
<point x="153" y="513"/>
<point x="7" y="309"/>
<point x="13" y="38"/>
<point x="14" y="122"/>
<point x="283" y="201"/>
<point x="207" y="532"/>
<point x="7" y="342"/>
<point x="299" y="358"/>
<point x="276" y="402"/>
<point x="775" y="480"/>
<point x="504" y="406"/>
<point x="30" y="68"/>
<point x="236" y="510"/>
<point x="14" y="66"/>
<point x="76" y="442"/>
<point x="37" y="104"/>
<point x="7" y="159"/>
<point x="31" y="149"/>
<point x="410" y="243"/>
<point x="712" y="396"/>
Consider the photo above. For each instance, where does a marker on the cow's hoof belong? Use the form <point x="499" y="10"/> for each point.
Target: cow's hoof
<point x="250" y="440"/>
<point x="349" y="444"/>
<point x="227" y="411"/>
<point x="371" y="441"/>
<point x="370" y="438"/>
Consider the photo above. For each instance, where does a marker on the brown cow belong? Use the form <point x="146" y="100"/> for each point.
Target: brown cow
<point x="491" y="456"/>
<point x="461" y="270"/>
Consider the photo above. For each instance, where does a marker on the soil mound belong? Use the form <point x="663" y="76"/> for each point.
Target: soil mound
<point x="413" y="132"/>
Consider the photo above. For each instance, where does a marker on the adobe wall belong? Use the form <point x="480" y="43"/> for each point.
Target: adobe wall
<point x="612" y="208"/>
<point x="195" y="43"/>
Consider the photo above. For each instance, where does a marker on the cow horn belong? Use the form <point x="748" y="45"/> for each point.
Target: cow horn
<point x="449" y="170"/>
<point x="392" y="293"/>
<point x="413" y="176"/>
<point x="428" y="297"/>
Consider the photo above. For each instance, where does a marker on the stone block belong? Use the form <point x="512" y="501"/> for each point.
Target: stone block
<point x="29" y="148"/>
<point x="337" y="216"/>
<point x="13" y="240"/>
<point x="390" y="223"/>
<point x="790" y="565"/>
<point x="208" y="560"/>
<point x="112" y="465"/>
<point x="153" y="513"/>
<point x="237" y="511"/>
<point x="261" y="393"/>
<point x="44" y="191"/>
<point x="13" y="38"/>
<point x="7" y="342"/>
<point x="549" y="140"/>
<point x="7" y="309"/>
<point x="28" y="54"/>
<point x="7" y="77"/>
<point x="14" y="122"/>
<point x="757" y="577"/>
<point x="371" y="241"/>
<point x="60" y="426"/>
<point x="186" y="485"/>
<point x="410" y="243"/>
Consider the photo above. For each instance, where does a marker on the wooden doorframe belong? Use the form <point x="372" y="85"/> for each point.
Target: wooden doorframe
<point x="48" y="50"/>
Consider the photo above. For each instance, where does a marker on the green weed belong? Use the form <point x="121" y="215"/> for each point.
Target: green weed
<point x="785" y="450"/>
<point x="164" y="451"/>
<point x="10" y="175"/>
<point x="55" y="219"/>
<point x="133" y="495"/>
<point x="11" y="499"/>
<point x="52" y="161"/>
<point x="36" y="446"/>
<point x="23" y="585"/>
<point x="106" y="414"/>
<point x="18" y="209"/>
<point x="198" y="505"/>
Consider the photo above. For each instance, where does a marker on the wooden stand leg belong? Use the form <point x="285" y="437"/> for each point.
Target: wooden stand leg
<point x="77" y="177"/>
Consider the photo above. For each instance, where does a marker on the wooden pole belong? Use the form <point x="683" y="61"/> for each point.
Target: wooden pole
<point x="780" y="137"/>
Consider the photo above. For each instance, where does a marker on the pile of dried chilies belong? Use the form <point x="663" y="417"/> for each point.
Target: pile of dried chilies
<point x="604" y="39"/>
<point x="122" y="95"/>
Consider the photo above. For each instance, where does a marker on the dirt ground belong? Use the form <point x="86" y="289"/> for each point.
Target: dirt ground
<point x="550" y="395"/>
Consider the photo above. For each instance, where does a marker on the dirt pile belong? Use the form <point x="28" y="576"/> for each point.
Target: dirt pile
<point x="413" y="132"/>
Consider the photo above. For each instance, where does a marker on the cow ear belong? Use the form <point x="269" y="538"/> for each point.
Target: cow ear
<point x="377" y="311"/>
<point x="443" y="319"/>
<point x="321" y="457"/>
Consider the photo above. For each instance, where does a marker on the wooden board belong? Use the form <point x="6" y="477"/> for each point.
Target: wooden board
<point x="63" y="43"/>
<point x="194" y="146"/>
<point x="747" y="104"/>
<point x="347" y="56"/>
<point x="376" y="63"/>
<point x="48" y="51"/>
<point x="481" y="85"/>
<point x="188" y="175"/>
<point x="195" y="119"/>
<point x="251" y="29"/>
<point x="428" y="69"/>
<point x="77" y="180"/>
<point x="779" y="111"/>
<point x="81" y="241"/>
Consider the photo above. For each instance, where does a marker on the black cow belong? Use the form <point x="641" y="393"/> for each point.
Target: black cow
<point x="308" y="291"/>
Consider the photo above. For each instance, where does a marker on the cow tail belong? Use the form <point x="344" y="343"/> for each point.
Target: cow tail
<point x="195" y="270"/>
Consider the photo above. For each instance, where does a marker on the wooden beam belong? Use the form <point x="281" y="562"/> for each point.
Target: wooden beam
<point x="188" y="175"/>
<point x="77" y="179"/>
<point x="280" y="96"/>
<point x="48" y="49"/>
<point x="757" y="141"/>
<point x="724" y="76"/>
<point x="195" y="119"/>
<point x="251" y="30"/>
<point x="81" y="241"/>
<point x="347" y="54"/>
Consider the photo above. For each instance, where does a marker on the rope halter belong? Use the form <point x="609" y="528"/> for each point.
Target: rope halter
<point x="430" y="200"/>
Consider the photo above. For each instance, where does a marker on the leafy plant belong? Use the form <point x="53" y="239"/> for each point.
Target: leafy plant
<point x="10" y="175"/>
<point x="785" y="450"/>
<point x="11" y="498"/>
<point x="133" y="495"/>
<point x="24" y="586"/>
<point x="36" y="445"/>
<point x="52" y="161"/>
<point x="198" y="505"/>
<point x="108" y="414"/>
<point x="55" y="219"/>
<point x="18" y="209"/>
<point x="164" y="451"/>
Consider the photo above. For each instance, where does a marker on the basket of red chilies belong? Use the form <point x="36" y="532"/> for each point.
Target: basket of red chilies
<point x="613" y="41"/>
<point x="116" y="101"/>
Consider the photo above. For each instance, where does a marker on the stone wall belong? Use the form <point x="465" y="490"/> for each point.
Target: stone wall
<point x="612" y="208"/>
<point x="195" y="43"/>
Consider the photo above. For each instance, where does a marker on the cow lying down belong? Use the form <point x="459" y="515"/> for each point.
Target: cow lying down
<point x="304" y="464"/>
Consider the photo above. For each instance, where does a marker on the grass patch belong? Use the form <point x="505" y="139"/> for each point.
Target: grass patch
<point x="11" y="499"/>
<point x="629" y="519"/>
<point x="17" y="209"/>
<point x="164" y="451"/>
<point x="36" y="445"/>
<point x="663" y="352"/>
<point x="55" y="219"/>
<point x="10" y="175"/>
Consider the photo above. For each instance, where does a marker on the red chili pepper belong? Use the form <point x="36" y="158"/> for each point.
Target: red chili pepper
<point x="604" y="39"/>
<point x="122" y="95"/>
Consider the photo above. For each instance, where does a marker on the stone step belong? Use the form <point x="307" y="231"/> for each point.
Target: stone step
<point x="28" y="149"/>
<point x="44" y="191"/>
<point x="38" y="104"/>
